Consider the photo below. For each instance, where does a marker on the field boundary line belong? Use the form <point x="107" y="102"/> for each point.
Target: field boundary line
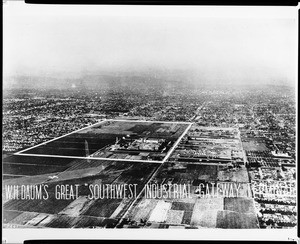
<point x="56" y="138"/>
<point x="92" y="158"/>
<point x="100" y="122"/>
<point x="152" y="121"/>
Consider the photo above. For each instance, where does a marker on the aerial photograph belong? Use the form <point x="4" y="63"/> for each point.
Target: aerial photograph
<point x="148" y="118"/>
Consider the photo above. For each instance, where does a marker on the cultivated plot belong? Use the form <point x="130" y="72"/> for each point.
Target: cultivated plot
<point x="96" y="203"/>
<point x="212" y="194"/>
<point x="139" y="153"/>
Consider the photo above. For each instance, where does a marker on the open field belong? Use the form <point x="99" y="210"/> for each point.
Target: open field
<point x="239" y="204"/>
<point x="88" y="222"/>
<point x="205" y="212"/>
<point x="236" y="175"/>
<point x="198" y="211"/>
<point x="36" y="160"/>
<point x="23" y="218"/>
<point x="116" y="140"/>
<point x="139" y="150"/>
<point x="25" y="169"/>
<point x="235" y="220"/>
<point x="17" y="165"/>
<point x="180" y="172"/>
<point x="100" y="172"/>
<point x="10" y="215"/>
<point x="51" y="206"/>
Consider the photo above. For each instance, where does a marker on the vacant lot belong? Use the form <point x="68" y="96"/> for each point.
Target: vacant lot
<point x="181" y="171"/>
<point x="234" y="175"/>
<point x="254" y="145"/>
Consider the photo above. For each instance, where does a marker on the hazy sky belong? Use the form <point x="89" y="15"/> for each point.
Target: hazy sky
<point x="241" y="45"/>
